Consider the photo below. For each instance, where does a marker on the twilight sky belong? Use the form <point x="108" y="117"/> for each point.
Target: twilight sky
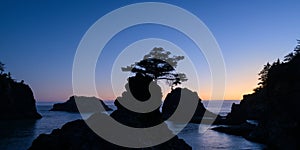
<point x="38" y="42"/>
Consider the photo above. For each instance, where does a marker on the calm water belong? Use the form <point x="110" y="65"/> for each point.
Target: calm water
<point x="18" y="135"/>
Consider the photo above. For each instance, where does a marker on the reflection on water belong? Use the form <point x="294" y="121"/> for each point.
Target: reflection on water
<point x="209" y="139"/>
<point x="18" y="135"/>
<point x="14" y="132"/>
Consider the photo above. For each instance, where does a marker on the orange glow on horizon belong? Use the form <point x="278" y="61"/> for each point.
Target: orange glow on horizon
<point x="236" y="87"/>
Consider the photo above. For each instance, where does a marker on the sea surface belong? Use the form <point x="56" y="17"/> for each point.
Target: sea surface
<point x="18" y="135"/>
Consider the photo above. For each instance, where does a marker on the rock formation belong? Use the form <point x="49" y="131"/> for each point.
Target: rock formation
<point x="78" y="136"/>
<point x="17" y="100"/>
<point x="251" y="107"/>
<point x="172" y="100"/>
<point x="89" y="104"/>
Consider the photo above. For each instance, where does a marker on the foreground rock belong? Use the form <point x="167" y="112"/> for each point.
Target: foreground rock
<point x="241" y="130"/>
<point x="88" y="104"/>
<point x="76" y="135"/>
<point x="16" y="98"/>
<point x="201" y="115"/>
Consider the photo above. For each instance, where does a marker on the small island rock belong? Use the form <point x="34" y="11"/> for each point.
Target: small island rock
<point x="88" y="104"/>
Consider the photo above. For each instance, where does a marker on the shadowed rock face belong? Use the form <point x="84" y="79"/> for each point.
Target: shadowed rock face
<point x="172" y="101"/>
<point x="89" y="104"/>
<point x="252" y="107"/>
<point x="78" y="136"/>
<point x="17" y="101"/>
<point x="138" y="89"/>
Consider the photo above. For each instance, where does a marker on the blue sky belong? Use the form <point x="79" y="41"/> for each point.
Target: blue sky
<point x="38" y="40"/>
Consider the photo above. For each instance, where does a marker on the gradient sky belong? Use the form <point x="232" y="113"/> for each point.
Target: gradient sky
<point x="38" y="41"/>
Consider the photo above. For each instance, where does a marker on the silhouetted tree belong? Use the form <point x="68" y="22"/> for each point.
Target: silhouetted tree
<point x="297" y="48"/>
<point x="276" y="62"/>
<point x="1" y="67"/>
<point x="9" y="75"/>
<point x="288" y="57"/>
<point x="264" y="75"/>
<point x="272" y="70"/>
<point x="159" y="64"/>
<point x="292" y="55"/>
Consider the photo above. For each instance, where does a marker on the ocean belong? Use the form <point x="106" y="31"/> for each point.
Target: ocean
<point x="18" y="135"/>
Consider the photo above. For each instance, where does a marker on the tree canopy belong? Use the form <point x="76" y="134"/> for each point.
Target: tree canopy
<point x="158" y="64"/>
<point x="1" y="67"/>
<point x="268" y="68"/>
<point x="264" y="75"/>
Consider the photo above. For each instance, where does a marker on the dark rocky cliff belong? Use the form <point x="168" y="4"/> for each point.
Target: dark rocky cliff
<point x="17" y="100"/>
<point x="274" y="104"/>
